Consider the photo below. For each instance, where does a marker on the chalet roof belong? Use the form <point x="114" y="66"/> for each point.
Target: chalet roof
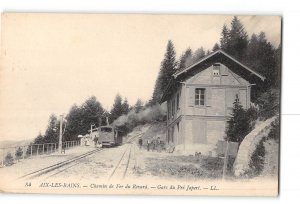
<point x="217" y="56"/>
<point x="214" y="54"/>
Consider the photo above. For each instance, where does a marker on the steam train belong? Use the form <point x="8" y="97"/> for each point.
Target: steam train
<point x="106" y="136"/>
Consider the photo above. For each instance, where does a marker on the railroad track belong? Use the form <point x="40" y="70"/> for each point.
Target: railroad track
<point x="122" y="165"/>
<point x="58" y="167"/>
<point x="120" y="169"/>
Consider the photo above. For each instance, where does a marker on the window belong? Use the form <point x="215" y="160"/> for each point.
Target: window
<point x="106" y="129"/>
<point x="199" y="96"/>
<point x="216" y="70"/>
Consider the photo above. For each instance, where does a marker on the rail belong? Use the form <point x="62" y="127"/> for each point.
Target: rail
<point x="56" y="168"/>
<point x="12" y="155"/>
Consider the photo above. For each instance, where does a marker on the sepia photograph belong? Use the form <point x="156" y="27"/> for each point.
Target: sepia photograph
<point x="140" y="104"/>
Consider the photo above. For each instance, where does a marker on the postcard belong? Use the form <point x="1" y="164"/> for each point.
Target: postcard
<point x="140" y="104"/>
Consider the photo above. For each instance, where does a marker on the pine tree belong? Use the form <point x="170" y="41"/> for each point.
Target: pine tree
<point x="156" y="92"/>
<point x="277" y="70"/>
<point x="92" y="108"/>
<point x="125" y="107"/>
<point x="80" y="118"/>
<point x="216" y="47"/>
<point x="239" y="124"/>
<point x="117" y="109"/>
<point x="75" y="123"/>
<point x="253" y="49"/>
<point x="39" y="139"/>
<point x="224" y="38"/>
<point x="167" y="68"/>
<point x="185" y="59"/>
<point x="238" y="39"/>
<point x="52" y="131"/>
<point x="267" y="60"/>
<point x="92" y="111"/>
<point x="261" y="57"/>
<point x="138" y="106"/>
<point x="269" y="103"/>
<point x="199" y="54"/>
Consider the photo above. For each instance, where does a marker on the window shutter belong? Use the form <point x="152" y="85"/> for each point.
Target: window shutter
<point x="191" y="96"/>
<point x="208" y="96"/>
<point x="223" y="70"/>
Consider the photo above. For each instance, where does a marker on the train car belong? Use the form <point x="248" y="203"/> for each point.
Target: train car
<point x="106" y="136"/>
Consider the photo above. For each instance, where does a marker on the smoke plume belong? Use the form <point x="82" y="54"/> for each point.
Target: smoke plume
<point x="148" y="115"/>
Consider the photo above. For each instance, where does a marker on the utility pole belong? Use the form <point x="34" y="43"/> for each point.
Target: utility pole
<point x="60" y="134"/>
<point x="99" y="128"/>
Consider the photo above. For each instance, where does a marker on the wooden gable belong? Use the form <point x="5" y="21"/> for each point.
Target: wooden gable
<point x="227" y="77"/>
<point x="236" y="73"/>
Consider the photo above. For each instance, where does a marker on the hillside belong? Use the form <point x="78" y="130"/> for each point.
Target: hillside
<point x="12" y="143"/>
<point x="150" y="131"/>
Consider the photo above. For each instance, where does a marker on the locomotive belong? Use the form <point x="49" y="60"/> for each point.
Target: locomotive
<point x="106" y="136"/>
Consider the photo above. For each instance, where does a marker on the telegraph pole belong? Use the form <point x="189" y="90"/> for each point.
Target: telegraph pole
<point x="60" y="134"/>
<point x="99" y="128"/>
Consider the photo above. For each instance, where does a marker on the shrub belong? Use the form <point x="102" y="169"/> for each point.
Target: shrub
<point x="9" y="160"/>
<point x="257" y="159"/>
<point x="241" y="122"/>
<point x="28" y="151"/>
<point x="19" y="153"/>
<point x="252" y="114"/>
<point x="268" y="103"/>
<point x="275" y="130"/>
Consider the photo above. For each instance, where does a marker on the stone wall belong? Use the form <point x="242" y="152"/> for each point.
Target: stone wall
<point x="248" y="146"/>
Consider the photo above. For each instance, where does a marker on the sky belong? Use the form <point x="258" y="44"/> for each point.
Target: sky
<point x="51" y="61"/>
